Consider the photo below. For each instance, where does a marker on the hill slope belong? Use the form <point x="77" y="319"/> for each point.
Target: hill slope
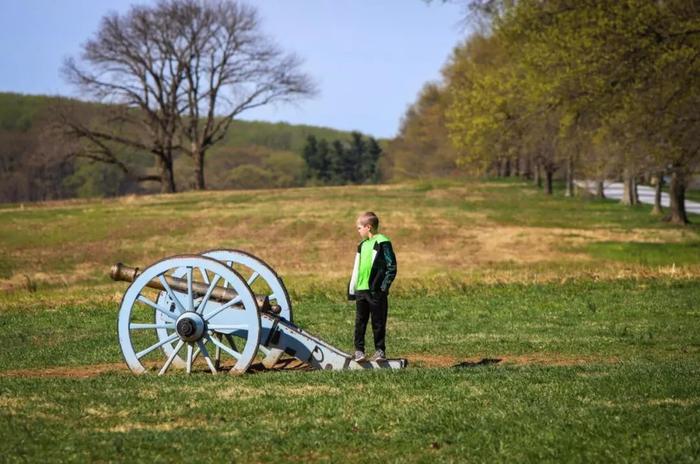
<point x="254" y="154"/>
<point x="446" y="233"/>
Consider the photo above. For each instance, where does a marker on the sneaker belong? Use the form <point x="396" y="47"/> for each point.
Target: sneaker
<point x="378" y="355"/>
<point x="359" y="356"/>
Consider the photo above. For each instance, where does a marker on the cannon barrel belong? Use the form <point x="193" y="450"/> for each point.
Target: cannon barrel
<point x="121" y="272"/>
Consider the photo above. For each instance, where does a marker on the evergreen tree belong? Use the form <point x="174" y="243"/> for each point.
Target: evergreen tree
<point x="325" y="173"/>
<point x="337" y="162"/>
<point x="371" y="162"/>
<point x="311" y="156"/>
<point x="355" y="156"/>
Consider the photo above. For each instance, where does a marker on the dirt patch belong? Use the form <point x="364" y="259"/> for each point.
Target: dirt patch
<point x="429" y="360"/>
<point x="545" y="359"/>
<point x="74" y="372"/>
<point x="415" y="360"/>
<point x="93" y="370"/>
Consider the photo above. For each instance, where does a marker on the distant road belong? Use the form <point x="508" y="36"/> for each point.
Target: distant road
<point x="614" y="190"/>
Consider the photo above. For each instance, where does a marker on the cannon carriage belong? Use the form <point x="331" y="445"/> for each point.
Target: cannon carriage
<point x="187" y="307"/>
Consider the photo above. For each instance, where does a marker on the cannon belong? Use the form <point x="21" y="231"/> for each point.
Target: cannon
<point x="187" y="307"/>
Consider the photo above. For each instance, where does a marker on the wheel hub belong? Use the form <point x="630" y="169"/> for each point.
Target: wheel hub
<point x="190" y="326"/>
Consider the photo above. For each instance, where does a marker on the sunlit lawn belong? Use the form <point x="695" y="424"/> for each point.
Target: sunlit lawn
<point x="537" y="329"/>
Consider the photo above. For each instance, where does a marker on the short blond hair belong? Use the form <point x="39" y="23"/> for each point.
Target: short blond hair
<point x="369" y="218"/>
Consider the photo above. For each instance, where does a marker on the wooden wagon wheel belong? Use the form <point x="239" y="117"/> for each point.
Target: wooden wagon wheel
<point x="205" y="301"/>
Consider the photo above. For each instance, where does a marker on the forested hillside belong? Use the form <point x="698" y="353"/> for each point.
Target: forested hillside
<point x="36" y="162"/>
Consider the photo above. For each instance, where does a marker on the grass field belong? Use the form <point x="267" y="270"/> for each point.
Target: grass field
<point x="537" y="329"/>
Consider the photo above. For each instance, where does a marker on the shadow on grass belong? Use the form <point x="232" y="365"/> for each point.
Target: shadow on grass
<point x="483" y="362"/>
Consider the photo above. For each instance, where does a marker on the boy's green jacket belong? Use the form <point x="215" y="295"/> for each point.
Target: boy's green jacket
<point x="383" y="267"/>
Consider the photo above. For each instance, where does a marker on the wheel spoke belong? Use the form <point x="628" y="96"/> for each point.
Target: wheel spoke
<point x="135" y="326"/>
<point x="217" y="354"/>
<point x="205" y="277"/>
<point x="190" y="303"/>
<point x="252" y="277"/>
<point x="226" y="326"/>
<point x="224" y="348"/>
<point x="162" y="342"/>
<point x="189" y="358"/>
<point x="171" y="294"/>
<point x="157" y="307"/>
<point x="222" y="308"/>
<point x="231" y="341"/>
<point x="228" y="264"/>
<point x="203" y="302"/>
<point x="170" y="359"/>
<point x="205" y="353"/>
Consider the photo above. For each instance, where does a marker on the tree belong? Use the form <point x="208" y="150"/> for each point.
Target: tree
<point x="352" y="167"/>
<point x="370" y="162"/>
<point x="129" y="65"/>
<point x="422" y="148"/>
<point x="337" y="163"/>
<point x="324" y="161"/>
<point x="231" y="67"/>
<point x="311" y="156"/>
<point x="178" y="73"/>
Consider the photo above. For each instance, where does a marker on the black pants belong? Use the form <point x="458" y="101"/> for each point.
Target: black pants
<point x="376" y="305"/>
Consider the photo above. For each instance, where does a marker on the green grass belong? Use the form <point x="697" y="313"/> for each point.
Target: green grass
<point x="586" y="314"/>
<point x="605" y="371"/>
<point x="647" y="253"/>
<point x="572" y="414"/>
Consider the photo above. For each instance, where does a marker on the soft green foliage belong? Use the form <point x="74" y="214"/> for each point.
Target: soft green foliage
<point x="422" y="149"/>
<point x="606" y="88"/>
<point x="18" y="112"/>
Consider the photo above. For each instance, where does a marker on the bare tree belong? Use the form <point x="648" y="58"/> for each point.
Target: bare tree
<point x="176" y="74"/>
<point x="130" y="63"/>
<point x="231" y="68"/>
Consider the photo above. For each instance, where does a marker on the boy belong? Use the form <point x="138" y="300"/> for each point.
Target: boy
<point x="372" y="275"/>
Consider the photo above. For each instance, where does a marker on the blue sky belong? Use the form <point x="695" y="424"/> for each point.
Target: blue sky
<point x="369" y="57"/>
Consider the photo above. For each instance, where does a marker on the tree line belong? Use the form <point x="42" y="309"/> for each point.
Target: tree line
<point x="594" y="89"/>
<point x="34" y="166"/>
<point x="338" y="162"/>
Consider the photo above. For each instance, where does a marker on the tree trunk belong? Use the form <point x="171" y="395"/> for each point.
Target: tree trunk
<point x="506" y="167"/>
<point x="569" y="177"/>
<point x="657" y="210"/>
<point x="538" y="175"/>
<point x="167" y="177"/>
<point x="628" y="193"/>
<point x="198" y="158"/>
<point x="677" y="194"/>
<point x="527" y="168"/>
<point x="549" y="173"/>
<point x="516" y="166"/>
<point x="600" y="189"/>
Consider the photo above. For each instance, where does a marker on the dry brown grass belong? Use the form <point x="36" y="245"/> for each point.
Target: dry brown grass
<point x="309" y="234"/>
